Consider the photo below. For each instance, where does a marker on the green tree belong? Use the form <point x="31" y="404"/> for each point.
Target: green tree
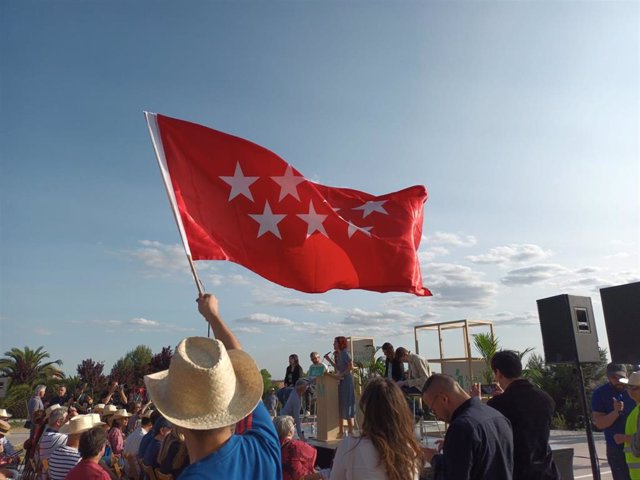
<point x="560" y="381"/>
<point x="266" y="381"/>
<point x="487" y="345"/>
<point x="132" y="368"/>
<point x="29" y="367"/>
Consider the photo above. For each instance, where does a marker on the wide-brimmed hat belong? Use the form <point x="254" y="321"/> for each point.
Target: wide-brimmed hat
<point x="79" y="424"/>
<point x="121" y="413"/>
<point x="99" y="408"/>
<point x="53" y="407"/>
<point x="206" y="386"/>
<point x="634" y="379"/>
<point x="4" y="413"/>
<point x="109" y="410"/>
<point x="4" y="427"/>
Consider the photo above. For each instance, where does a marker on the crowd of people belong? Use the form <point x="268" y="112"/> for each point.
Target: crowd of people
<point x="205" y="418"/>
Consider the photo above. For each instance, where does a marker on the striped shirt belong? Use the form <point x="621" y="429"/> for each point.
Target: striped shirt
<point x="49" y="441"/>
<point x="61" y="461"/>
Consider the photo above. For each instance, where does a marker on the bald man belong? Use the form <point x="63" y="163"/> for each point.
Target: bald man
<point x="478" y="444"/>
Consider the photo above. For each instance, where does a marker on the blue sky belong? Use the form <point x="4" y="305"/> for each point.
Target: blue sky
<point x="521" y="119"/>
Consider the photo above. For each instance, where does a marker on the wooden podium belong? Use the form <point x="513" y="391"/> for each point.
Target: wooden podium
<point x="328" y="410"/>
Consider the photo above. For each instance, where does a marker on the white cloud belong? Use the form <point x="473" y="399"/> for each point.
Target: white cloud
<point x="42" y="331"/>
<point x="455" y="285"/>
<point x="247" y="330"/>
<point x="513" y="253"/>
<point x="264" y="319"/>
<point x="143" y="322"/>
<point x="358" y="316"/>
<point x="534" y="274"/>
<point x="450" y="239"/>
<point x="161" y="259"/>
<point x="508" y="319"/>
<point x="426" y="254"/>
<point x="271" y="297"/>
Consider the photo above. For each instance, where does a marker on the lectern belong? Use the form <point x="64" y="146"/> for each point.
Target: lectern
<point x="328" y="410"/>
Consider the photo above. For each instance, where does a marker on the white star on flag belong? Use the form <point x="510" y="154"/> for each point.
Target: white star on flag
<point x="268" y="221"/>
<point x="314" y="221"/>
<point x="289" y="184"/>
<point x="372" y="206"/>
<point x="239" y="184"/>
<point x="354" y="228"/>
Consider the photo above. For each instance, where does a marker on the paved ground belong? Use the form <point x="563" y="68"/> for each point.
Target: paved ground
<point x="581" y="458"/>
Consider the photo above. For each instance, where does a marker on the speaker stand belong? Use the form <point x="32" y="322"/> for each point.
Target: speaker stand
<point x="595" y="467"/>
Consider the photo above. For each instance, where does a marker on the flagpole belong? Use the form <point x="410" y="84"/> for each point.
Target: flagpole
<point x="152" y="125"/>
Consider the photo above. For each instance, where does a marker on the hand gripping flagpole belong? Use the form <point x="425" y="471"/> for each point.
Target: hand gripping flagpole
<point x="154" y="132"/>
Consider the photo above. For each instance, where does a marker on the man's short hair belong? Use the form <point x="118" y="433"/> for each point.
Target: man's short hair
<point x="57" y="415"/>
<point x="91" y="442"/>
<point x="440" y="382"/>
<point x="145" y="421"/>
<point x="39" y="388"/>
<point x="401" y="352"/>
<point x="508" y="362"/>
<point x="387" y="346"/>
<point x="616" y="370"/>
<point x="301" y="383"/>
<point x="284" y="425"/>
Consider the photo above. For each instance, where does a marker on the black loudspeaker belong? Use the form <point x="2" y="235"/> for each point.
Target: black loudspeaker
<point x="621" y="306"/>
<point x="568" y="329"/>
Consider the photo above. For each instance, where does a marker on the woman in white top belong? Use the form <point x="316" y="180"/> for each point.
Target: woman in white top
<point x="387" y="448"/>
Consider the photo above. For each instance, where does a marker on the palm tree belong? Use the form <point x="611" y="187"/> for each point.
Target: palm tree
<point x="487" y="345"/>
<point x="27" y="366"/>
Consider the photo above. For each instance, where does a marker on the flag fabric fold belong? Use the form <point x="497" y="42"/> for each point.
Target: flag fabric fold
<point x="240" y="202"/>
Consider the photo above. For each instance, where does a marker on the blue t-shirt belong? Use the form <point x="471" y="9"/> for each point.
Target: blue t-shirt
<point x="254" y="454"/>
<point x="602" y="402"/>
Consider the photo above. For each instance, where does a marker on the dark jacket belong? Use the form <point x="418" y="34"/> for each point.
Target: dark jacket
<point x="478" y="445"/>
<point x="397" y="369"/>
<point x="530" y="411"/>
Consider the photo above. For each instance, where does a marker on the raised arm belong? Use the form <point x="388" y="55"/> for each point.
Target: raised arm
<point x="208" y="308"/>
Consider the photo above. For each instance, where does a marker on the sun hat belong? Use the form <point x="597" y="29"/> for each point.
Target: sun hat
<point x="121" y="413"/>
<point x="4" y="413"/>
<point x="4" y="427"/>
<point x="109" y="410"/>
<point x="206" y="386"/>
<point x="633" y="380"/>
<point x="53" y="407"/>
<point x="79" y="424"/>
<point x="99" y="407"/>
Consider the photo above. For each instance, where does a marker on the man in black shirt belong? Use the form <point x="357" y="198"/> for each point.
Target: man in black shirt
<point x="393" y="368"/>
<point x="478" y="444"/>
<point x="530" y="411"/>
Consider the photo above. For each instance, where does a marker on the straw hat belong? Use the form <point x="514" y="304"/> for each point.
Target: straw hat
<point x="99" y="408"/>
<point x="4" y="427"/>
<point x="121" y="413"/>
<point x="53" y="407"/>
<point x="4" y="413"/>
<point x="206" y="386"/>
<point x="79" y="424"/>
<point x="634" y="379"/>
<point x="109" y="410"/>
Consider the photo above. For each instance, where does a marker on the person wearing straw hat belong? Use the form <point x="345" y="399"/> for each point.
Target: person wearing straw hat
<point x="6" y="449"/>
<point x="631" y="428"/>
<point x="210" y="385"/>
<point x="65" y="457"/>
<point x="116" y="434"/>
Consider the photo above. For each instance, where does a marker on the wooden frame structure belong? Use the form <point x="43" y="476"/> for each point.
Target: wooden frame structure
<point x="465" y="325"/>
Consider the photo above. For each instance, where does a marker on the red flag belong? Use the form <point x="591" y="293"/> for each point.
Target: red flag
<point x="238" y="201"/>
